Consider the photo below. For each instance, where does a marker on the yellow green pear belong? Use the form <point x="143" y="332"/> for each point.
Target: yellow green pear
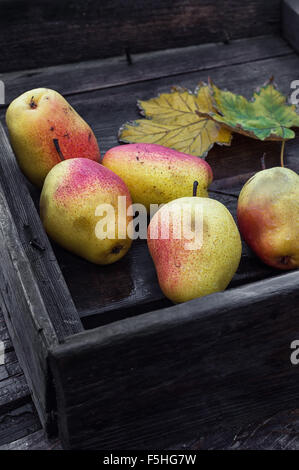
<point x="268" y="216"/>
<point x="83" y="207"/>
<point x="196" y="247"/>
<point x="155" y="174"/>
<point x="44" y="129"/>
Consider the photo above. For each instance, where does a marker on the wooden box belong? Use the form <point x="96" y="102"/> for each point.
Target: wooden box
<point x="110" y="361"/>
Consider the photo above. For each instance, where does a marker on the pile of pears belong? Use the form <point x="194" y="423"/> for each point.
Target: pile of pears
<point x="58" y="152"/>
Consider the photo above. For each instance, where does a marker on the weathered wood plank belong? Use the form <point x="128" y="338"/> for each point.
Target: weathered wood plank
<point x="278" y="432"/>
<point x="4" y="336"/>
<point x="13" y="392"/>
<point x="45" y="269"/>
<point x="35" y="441"/>
<point x="18" y="423"/>
<point x="290" y="22"/>
<point x="9" y="366"/>
<point x="13" y="387"/>
<point x="221" y="358"/>
<point x="22" y="281"/>
<point x="107" y="111"/>
<point x="44" y="32"/>
<point x="24" y="313"/>
<point x="104" y="74"/>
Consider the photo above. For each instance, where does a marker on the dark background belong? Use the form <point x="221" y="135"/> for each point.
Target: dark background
<point x="50" y="32"/>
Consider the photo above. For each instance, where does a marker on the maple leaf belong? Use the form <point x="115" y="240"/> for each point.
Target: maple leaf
<point x="173" y="120"/>
<point x="267" y="116"/>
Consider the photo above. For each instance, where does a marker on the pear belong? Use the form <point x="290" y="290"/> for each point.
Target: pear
<point x="155" y="174"/>
<point x="188" y="267"/>
<point x="268" y="216"/>
<point x="44" y="129"/>
<point x="80" y="210"/>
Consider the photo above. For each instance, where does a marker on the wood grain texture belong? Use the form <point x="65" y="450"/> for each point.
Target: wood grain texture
<point x="106" y="110"/>
<point x="36" y="246"/>
<point x="14" y="392"/>
<point x="290" y="22"/>
<point x="13" y="386"/>
<point x="112" y="72"/>
<point x="42" y="33"/>
<point x="18" y="423"/>
<point x="4" y="336"/>
<point x="224" y="357"/>
<point x="277" y="432"/>
<point x="26" y="284"/>
<point x="25" y="315"/>
<point x="34" y="441"/>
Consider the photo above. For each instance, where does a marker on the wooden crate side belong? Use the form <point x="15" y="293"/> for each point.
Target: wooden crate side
<point x="48" y="32"/>
<point x="144" y="382"/>
<point x="34" y="299"/>
<point x="25" y="313"/>
<point x="290" y="23"/>
<point x="36" y="245"/>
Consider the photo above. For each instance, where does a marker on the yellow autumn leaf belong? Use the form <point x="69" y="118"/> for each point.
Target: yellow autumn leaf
<point x="173" y="120"/>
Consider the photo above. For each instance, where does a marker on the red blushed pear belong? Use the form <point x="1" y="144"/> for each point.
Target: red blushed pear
<point x="81" y="210"/>
<point x="268" y="216"/>
<point x="196" y="262"/>
<point x="44" y="130"/>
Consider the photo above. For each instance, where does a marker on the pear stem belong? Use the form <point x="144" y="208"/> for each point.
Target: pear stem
<point x="58" y="150"/>
<point x="195" y="184"/>
<point x="282" y="153"/>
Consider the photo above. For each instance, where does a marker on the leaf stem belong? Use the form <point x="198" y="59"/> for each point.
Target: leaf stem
<point x="282" y="153"/>
<point x="195" y="184"/>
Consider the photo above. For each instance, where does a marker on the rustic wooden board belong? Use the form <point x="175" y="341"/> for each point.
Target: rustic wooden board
<point x="34" y="441"/>
<point x="290" y="22"/>
<point x="35" y="244"/>
<point x="106" y="110"/>
<point x="18" y="423"/>
<point x="116" y="71"/>
<point x="279" y="432"/>
<point x="4" y="335"/>
<point x="18" y="416"/>
<point x="46" y="32"/>
<point x="224" y="357"/>
<point x="29" y="276"/>
<point x="13" y="387"/>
